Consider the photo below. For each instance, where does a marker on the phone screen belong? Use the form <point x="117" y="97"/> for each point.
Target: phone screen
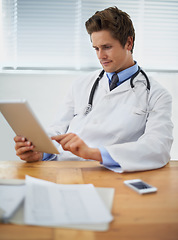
<point x="140" y="185"/>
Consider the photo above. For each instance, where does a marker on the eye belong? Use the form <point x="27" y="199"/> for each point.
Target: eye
<point x="96" y="49"/>
<point x="107" y="47"/>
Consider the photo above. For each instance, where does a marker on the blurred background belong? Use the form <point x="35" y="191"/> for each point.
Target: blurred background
<point x="44" y="47"/>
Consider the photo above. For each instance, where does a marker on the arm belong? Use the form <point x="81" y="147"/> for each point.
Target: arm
<point x="152" y="149"/>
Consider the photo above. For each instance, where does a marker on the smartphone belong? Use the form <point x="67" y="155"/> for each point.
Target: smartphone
<point x="140" y="186"/>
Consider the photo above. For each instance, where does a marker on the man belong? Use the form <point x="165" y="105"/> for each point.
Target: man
<point x="129" y="126"/>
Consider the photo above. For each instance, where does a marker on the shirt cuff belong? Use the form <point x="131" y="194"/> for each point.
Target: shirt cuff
<point x="48" y="157"/>
<point x="107" y="159"/>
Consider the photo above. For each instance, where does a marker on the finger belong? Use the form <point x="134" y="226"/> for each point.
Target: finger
<point x="26" y="156"/>
<point x="67" y="142"/>
<point x="22" y="144"/>
<point x="31" y="156"/>
<point x="24" y="149"/>
<point x="19" y="139"/>
<point x="67" y="137"/>
<point x="79" y="148"/>
<point x="63" y="137"/>
<point x="74" y="147"/>
<point x="77" y="144"/>
<point x="58" y="138"/>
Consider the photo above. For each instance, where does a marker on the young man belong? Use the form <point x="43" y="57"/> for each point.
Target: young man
<point x="129" y="126"/>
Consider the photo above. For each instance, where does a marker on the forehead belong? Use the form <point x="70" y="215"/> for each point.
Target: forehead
<point x="102" y="38"/>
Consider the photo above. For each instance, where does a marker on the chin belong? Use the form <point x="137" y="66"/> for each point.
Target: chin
<point x="109" y="70"/>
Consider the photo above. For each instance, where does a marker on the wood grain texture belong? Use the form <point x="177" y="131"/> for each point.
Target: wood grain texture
<point x="136" y="217"/>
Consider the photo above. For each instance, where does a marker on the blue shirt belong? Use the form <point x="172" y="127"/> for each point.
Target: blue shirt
<point x="125" y="74"/>
<point x="106" y="158"/>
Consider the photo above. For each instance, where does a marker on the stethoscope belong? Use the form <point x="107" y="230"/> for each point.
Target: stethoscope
<point x="90" y="101"/>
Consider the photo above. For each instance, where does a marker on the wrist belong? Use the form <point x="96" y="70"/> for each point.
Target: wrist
<point x="95" y="154"/>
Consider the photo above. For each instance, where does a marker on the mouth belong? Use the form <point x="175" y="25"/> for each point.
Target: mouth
<point x="105" y="63"/>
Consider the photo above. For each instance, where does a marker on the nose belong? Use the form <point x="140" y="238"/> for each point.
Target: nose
<point x="101" y="54"/>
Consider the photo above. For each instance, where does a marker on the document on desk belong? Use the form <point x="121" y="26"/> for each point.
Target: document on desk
<point x="51" y="204"/>
<point x="11" y="196"/>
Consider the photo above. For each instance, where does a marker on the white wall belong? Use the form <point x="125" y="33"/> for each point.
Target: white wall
<point x="45" y="91"/>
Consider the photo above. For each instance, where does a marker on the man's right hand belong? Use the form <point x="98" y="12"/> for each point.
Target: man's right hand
<point x="25" y="150"/>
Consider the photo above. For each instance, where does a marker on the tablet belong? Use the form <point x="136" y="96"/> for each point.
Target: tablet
<point x="24" y="123"/>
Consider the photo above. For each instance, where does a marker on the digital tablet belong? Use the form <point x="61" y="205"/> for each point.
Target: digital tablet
<point x="24" y="123"/>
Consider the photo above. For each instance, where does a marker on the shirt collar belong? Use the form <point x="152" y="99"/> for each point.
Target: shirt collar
<point x="125" y="74"/>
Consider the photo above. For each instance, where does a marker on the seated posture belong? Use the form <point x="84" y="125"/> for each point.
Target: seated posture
<point x="116" y="115"/>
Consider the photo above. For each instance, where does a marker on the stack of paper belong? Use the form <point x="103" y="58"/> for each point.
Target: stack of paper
<point x="80" y="206"/>
<point x="11" y="196"/>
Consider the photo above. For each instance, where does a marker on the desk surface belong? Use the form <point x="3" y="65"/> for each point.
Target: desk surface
<point x="146" y="217"/>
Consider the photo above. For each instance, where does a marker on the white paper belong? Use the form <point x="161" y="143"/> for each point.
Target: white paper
<point x="50" y="204"/>
<point x="106" y="194"/>
<point x="11" y="197"/>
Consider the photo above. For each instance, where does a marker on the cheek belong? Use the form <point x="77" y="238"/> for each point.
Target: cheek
<point x="119" y="57"/>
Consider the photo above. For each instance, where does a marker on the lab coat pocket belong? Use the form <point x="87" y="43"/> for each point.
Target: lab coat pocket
<point x="133" y="122"/>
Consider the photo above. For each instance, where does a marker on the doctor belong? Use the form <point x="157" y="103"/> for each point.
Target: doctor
<point x="127" y="126"/>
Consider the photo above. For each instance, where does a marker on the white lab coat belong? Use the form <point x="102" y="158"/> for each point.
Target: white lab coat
<point x="134" y="125"/>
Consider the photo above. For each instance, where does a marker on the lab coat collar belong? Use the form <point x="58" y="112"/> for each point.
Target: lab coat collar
<point x="125" y="74"/>
<point x="125" y="86"/>
<point x="104" y="83"/>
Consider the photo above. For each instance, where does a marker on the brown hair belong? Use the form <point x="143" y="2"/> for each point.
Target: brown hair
<point x="114" y="20"/>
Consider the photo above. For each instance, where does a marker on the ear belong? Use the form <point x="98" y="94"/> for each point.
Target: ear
<point x="129" y="43"/>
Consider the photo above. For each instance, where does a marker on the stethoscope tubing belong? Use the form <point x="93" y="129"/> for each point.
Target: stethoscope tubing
<point x="89" y="106"/>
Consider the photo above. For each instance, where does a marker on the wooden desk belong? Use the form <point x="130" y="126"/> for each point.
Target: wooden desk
<point x="145" y="217"/>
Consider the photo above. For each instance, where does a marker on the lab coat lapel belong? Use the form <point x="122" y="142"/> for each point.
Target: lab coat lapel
<point x="104" y="83"/>
<point x="125" y="86"/>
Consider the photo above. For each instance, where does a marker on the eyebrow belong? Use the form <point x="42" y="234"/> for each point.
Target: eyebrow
<point x="106" y="44"/>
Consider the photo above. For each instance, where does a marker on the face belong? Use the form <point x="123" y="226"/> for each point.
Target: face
<point x="111" y="54"/>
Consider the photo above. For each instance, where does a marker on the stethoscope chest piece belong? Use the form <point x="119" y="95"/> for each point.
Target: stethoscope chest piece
<point x="88" y="109"/>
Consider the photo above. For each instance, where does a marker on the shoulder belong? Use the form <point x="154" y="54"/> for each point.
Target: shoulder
<point x="159" y="95"/>
<point x="158" y="88"/>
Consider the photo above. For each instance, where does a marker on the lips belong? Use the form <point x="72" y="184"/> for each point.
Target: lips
<point x="105" y="62"/>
